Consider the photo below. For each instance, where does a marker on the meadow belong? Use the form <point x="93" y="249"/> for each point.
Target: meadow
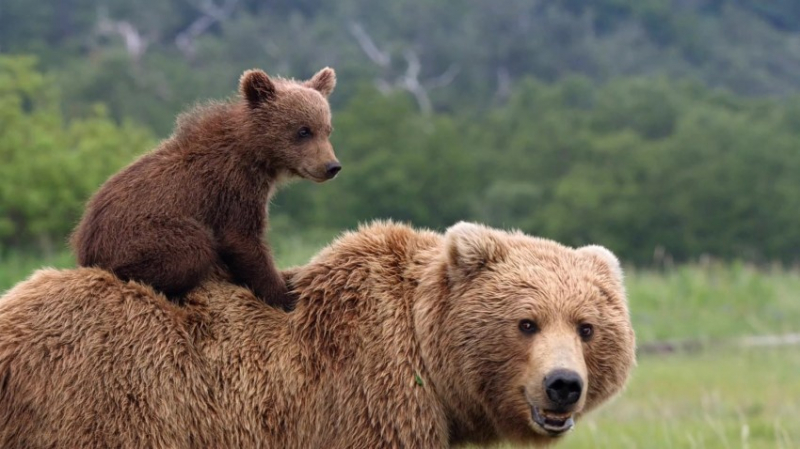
<point x="715" y="394"/>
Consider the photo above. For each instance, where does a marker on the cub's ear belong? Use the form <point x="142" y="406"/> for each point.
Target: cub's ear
<point x="256" y="87"/>
<point x="608" y="260"/>
<point x="324" y="81"/>
<point x="471" y="247"/>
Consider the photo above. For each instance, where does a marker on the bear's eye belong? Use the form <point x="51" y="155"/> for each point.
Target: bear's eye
<point x="304" y="132"/>
<point x="586" y="331"/>
<point x="528" y="327"/>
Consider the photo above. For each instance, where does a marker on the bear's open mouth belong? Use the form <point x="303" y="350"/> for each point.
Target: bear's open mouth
<point x="553" y="423"/>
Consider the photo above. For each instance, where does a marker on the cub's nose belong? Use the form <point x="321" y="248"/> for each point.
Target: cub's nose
<point x="332" y="169"/>
<point x="563" y="387"/>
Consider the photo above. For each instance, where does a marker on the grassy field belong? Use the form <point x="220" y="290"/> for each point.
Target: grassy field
<point x="713" y="301"/>
<point x="717" y="397"/>
<point x="16" y="267"/>
<point x="725" y="399"/>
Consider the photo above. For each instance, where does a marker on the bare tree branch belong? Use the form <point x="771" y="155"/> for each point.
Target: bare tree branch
<point x="135" y="44"/>
<point x="368" y="46"/>
<point x="503" y="84"/>
<point x="408" y="81"/>
<point x="444" y="79"/>
<point x="212" y="13"/>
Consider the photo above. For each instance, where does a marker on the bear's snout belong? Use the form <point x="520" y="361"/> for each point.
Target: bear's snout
<point x="332" y="169"/>
<point x="563" y="388"/>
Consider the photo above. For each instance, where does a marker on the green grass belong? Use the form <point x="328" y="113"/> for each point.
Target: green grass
<point x="296" y="249"/>
<point x="15" y="267"/>
<point x="713" y="301"/>
<point x="719" y="397"/>
<point x="728" y="399"/>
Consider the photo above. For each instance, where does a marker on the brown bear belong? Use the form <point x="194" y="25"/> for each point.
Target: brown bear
<point x="200" y="197"/>
<point x="400" y="338"/>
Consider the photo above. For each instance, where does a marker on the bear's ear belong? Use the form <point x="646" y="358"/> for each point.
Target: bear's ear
<point x="471" y="247"/>
<point x="606" y="258"/>
<point x="256" y="87"/>
<point x="324" y="81"/>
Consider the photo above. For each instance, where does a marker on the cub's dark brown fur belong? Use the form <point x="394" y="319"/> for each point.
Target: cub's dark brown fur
<point x="200" y="197"/>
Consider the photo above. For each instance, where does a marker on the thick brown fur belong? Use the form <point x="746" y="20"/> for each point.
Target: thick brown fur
<point x="200" y="197"/>
<point x="400" y="338"/>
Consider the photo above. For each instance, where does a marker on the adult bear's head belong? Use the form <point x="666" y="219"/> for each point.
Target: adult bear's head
<point x="522" y="335"/>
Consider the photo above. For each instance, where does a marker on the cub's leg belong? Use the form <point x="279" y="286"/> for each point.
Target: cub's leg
<point x="250" y="263"/>
<point x="172" y="255"/>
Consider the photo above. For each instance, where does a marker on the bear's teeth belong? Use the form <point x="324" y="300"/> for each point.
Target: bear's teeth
<point x="553" y="423"/>
<point x="560" y="426"/>
<point x="556" y="416"/>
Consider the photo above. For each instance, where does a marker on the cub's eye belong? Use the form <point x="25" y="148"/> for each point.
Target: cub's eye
<point x="528" y="327"/>
<point x="304" y="132"/>
<point x="586" y="331"/>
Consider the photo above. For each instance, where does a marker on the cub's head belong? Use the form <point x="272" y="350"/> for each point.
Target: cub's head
<point x="291" y="122"/>
<point x="538" y="333"/>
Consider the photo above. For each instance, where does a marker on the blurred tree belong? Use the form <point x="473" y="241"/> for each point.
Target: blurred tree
<point x="397" y="164"/>
<point x="165" y="55"/>
<point x="50" y="166"/>
<point x="643" y="164"/>
<point x="640" y="124"/>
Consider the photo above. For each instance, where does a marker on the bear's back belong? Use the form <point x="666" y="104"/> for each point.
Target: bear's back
<point x="79" y="344"/>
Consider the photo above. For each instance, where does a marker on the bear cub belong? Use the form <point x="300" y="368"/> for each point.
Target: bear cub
<point x="200" y="198"/>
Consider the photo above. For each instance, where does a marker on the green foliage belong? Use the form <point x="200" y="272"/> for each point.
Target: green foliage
<point x="580" y="121"/>
<point x="397" y="164"/>
<point x="51" y="165"/>
<point x="643" y="164"/>
<point x="128" y="55"/>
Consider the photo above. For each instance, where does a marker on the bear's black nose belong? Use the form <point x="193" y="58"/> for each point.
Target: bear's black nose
<point x="332" y="168"/>
<point x="563" y="387"/>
